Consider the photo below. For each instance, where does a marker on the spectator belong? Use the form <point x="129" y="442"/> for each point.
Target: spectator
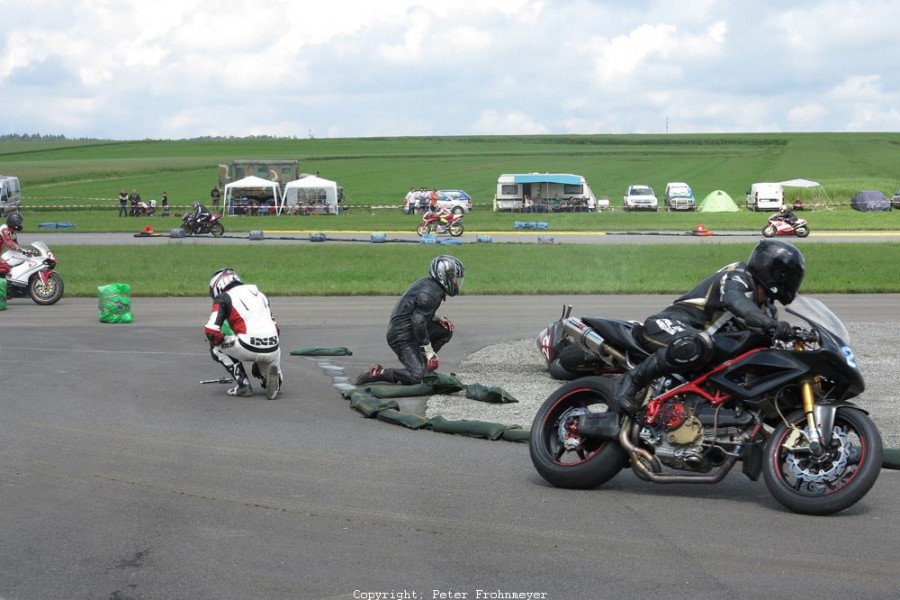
<point x="214" y="196"/>
<point x="123" y="203"/>
<point x="134" y="198"/>
<point x="165" y="204"/>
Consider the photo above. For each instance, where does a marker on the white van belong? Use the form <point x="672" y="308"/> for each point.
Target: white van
<point x="10" y="194"/>
<point x="765" y="196"/>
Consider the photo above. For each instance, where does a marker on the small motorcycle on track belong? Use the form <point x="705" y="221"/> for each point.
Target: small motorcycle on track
<point x="213" y="226"/>
<point x="781" y="408"/>
<point x="779" y="226"/>
<point x="431" y="223"/>
<point x="33" y="275"/>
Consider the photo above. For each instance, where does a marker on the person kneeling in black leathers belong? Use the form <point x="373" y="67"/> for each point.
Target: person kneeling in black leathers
<point x="415" y="333"/>
<point x="740" y="291"/>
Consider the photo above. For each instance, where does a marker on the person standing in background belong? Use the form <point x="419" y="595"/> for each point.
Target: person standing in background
<point x="123" y="203"/>
<point x="165" y="204"/>
<point x="214" y="197"/>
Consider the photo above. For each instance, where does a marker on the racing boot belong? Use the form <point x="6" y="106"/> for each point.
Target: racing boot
<point x="273" y="382"/>
<point x="373" y="373"/>
<point x="625" y="395"/>
<point x="240" y="378"/>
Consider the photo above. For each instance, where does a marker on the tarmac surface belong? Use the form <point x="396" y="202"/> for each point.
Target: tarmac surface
<point x="123" y="477"/>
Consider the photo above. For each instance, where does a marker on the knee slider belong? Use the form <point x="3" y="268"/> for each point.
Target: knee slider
<point x="689" y="350"/>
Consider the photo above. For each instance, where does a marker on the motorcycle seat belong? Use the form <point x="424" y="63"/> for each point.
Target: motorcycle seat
<point x="625" y="335"/>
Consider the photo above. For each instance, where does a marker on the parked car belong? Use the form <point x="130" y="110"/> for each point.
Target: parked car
<point x="895" y="200"/>
<point x="457" y="200"/>
<point x="640" y="197"/>
<point x="10" y="194"/>
<point x="679" y="196"/>
<point x="867" y="200"/>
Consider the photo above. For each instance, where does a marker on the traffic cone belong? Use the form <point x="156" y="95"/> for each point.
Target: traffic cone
<point x="702" y="230"/>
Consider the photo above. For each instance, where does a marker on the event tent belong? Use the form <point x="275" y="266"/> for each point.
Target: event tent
<point x="311" y="193"/>
<point x="717" y="201"/>
<point x="820" y="198"/>
<point x="241" y="187"/>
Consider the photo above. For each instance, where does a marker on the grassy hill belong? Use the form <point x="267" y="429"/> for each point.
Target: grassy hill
<point x="377" y="171"/>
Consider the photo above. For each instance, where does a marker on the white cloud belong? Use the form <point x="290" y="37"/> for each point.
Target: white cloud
<point x="189" y="68"/>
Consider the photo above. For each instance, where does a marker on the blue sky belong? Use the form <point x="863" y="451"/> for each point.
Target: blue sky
<point x="165" y="69"/>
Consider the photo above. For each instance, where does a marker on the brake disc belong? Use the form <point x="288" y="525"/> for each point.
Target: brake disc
<point x="806" y="469"/>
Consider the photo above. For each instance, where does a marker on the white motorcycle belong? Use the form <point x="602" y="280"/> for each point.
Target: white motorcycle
<point x="32" y="275"/>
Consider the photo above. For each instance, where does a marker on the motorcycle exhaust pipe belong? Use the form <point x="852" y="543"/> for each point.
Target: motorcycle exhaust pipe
<point x="590" y="339"/>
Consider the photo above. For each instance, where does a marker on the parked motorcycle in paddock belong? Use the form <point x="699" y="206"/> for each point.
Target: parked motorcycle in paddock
<point x="32" y="274"/>
<point x="778" y="225"/>
<point x="212" y="225"/>
<point x="782" y="408"/>
<point x="431" y="223"/>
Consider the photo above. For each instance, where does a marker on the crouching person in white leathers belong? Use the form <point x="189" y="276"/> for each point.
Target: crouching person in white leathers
<point x="255" y="337"/>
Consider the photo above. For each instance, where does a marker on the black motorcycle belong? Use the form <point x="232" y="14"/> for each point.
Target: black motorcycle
<point x="211" y="225"/>
<point x="780" y="408"/>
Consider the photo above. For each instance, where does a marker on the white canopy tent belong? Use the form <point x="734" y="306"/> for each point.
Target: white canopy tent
<point x="238" y="189"/>
<point x="311" y="194"/>
<point x="819" y="198"/>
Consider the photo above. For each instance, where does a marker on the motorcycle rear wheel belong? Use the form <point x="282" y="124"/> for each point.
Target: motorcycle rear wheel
<point x="768" y="231"/>
<point x="217" y="229"/>
<point x="45" y="295"/>
<point x="591" y="462"/>
<point x="828" y="486"/>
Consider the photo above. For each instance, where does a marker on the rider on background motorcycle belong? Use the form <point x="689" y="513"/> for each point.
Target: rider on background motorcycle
<point x="9" y="240"/>
<point x="787" y="215"/>
<point x="199" y="215"/>
<point x="246" y="310"/>
<point x="415" y="333"/>
<point x="682" y="331"/>
<point x="442" y="212"/>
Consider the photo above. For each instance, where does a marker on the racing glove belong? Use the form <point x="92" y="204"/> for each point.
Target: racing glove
<point x="431" y="359"/>
<point x="445" y="323"/>
<point x="782" y="331"/>
<point x="215" y="338"/>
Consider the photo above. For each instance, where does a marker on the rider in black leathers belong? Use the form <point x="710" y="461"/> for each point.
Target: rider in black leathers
<point x="415" y="333"/>
<point x="741" y="291"/>
<point x="199" y="216"/>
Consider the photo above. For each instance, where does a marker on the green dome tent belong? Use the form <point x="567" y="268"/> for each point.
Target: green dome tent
<point x="717" y="201"/>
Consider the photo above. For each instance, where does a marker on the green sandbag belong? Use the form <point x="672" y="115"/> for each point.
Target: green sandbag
<point x="370" y="406"/>
<point x="491" y="431"/>
<point x="409" y="420"/>
<point x="515" y="433"/>
<point x="321" y="351"/>
<point x="891" y="458"/>
<point x="114" y="303"/>
<point x="488" y="393"/>
<point x="2" y="294"/>
<point x="395" y="390"/>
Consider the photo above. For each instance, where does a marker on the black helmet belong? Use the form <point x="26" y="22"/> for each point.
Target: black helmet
<point x="448" y="272"/>
<point x="15" y="220"/>
<point x="222" y="280"/>
<point x="195" y="205"/>
<point x="778" y="267"/>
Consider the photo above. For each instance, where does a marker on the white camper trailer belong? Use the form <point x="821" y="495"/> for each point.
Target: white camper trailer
<point x="544" y="192"/>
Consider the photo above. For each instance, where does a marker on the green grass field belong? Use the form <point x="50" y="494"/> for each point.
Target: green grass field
<point x="60" y="178"/>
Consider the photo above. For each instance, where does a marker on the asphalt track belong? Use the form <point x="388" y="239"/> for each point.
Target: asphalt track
<point x="122" y="477"/>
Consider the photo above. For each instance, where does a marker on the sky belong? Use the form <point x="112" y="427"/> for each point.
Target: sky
<point x="164" y="69"/>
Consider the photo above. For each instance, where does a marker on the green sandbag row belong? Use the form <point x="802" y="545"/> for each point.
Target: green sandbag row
<point x="2" y="294"/>
<point x="322" y="351"/>
<point x="891" y="458"/>
<point x="370" y="405"/>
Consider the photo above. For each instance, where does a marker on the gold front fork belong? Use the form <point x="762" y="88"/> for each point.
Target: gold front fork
<point x="809" y="402"/>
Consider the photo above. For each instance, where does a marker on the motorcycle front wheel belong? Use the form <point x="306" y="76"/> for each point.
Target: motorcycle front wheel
<point x="828" y="484"/>
<point x="46" y="295"/>
<point x="217" y="229"/>
<point x="456" y="229"/>
<point x="769" y="231"/>
<point x="802" y="231"/>
<point x="422" y="229"/>
<point x="561" y="456"/>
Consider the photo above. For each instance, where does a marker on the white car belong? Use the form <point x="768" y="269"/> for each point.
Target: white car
<point x="640" y="197"/>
